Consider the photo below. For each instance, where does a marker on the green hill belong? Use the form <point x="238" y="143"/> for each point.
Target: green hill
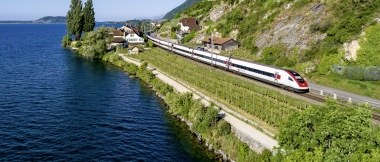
<point x="52" y="19"/>
<point x="43" y="20"/>
<point x="184" y="5"/>
<point x="311" y="37"/>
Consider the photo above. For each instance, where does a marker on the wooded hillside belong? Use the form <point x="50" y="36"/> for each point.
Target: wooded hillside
<point x="184" y="5"/>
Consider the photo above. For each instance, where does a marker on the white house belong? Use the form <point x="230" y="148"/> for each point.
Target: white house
<point x="188" y="24"/>
<point x="133" y="38"/>
<point x="131" y="35"/>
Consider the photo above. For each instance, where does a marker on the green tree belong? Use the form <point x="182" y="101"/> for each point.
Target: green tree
<point x="88" y="16"/>
<point x="95" y="42"/>
<point x="329" y="133"/>
<point x="368" y="54"/>
<point x="66" y="41"/>
<point x="74" y="19"/>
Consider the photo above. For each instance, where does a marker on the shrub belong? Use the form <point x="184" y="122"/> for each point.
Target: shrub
<point x="189" y="37"/>
<point x="78" y="44"/>
<point x="96" y="42"/>
<point x="66" y="41"/>
<point x="149" y="44"/>
<point x="224" y="128"/>
<point x="274" y="55"/>
<point x="368" y="54"/>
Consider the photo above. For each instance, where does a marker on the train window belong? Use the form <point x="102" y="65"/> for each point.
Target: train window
<point x="297" y="76"/>
<point x="300" y="79"/>
<point x="289" y="78"/>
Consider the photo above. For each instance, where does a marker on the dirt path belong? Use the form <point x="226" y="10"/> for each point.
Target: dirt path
<point x="261" y="139"/>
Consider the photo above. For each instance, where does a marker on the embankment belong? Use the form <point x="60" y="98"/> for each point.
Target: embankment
<point x="255" y="139"/>
<point x="213" y="131"/>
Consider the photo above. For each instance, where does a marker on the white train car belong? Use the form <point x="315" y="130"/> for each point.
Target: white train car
<point x="277" y="76"/>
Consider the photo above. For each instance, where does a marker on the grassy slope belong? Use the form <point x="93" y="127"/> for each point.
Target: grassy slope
<point x="338" y="23"/>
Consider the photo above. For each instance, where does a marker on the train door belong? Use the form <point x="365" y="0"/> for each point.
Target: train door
<point x="277" y="77"/>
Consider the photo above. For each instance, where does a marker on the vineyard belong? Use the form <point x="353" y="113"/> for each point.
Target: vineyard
<point x="268" y="105"/>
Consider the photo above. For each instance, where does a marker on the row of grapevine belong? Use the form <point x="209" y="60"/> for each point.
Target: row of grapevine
<point x="268" y="105"/>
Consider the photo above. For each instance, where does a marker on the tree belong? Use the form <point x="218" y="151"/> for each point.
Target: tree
<point x="88" y="16"/>
<point x="74" y="19"/>
<point x="368" y="54"/>
<point x="96" y="42"/>
<point x="329" y="133"/>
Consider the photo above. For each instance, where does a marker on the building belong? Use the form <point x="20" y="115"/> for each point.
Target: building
<point x="221" y="44"/>
<point x="118" y="38"/>
<point x="133" y="50"/>
<point x="189" y="24"/>
<point x="132" y="35"/>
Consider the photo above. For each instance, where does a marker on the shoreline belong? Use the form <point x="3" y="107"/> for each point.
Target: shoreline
<point x="255" y="139"/>
<point x="245" y="133"/>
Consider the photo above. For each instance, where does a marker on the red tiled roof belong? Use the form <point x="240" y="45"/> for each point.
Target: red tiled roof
<point x="208" y="38"/>
<point x="216" y="40"/>
<point x="191" y="23"/>
<point x="131" y="47"/>
<point x="136" y="30"/>
<point x="119" y="40"/>
<point x="222" y="40"/>
<point x="117" y="33"/>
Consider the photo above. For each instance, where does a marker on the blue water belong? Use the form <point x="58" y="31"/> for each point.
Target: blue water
<point x="58" y="106"/>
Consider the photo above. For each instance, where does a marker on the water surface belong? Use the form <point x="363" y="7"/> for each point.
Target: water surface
<point x="57" y="105"/>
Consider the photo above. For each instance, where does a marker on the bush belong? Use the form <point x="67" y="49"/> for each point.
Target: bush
<point x="66" y="41"/>
<point x="96" y="42"/>
<point x="144" y="73"/>
<point x="368" y="54"/>
<point x="321" y="27"/>
<point x="362" y="73"/>
<point x="189" y="37"/>
<point x="274" y="55"/>
<point x="161" y="87"/>
<point x="224" y="128"/>
<point x="78" y="44"/>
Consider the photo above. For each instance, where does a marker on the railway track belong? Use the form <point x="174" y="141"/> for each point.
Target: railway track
<point x="311" y="97"/>
<point x="376" y="116"/>
<point x="315" y="99"/>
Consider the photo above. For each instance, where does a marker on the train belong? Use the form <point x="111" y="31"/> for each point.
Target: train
<point x="280" y="77"/>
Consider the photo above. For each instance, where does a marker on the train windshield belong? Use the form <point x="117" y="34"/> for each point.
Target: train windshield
<point x="297" y="76"/>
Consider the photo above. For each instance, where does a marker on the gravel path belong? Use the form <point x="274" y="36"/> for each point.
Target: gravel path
<point x="260" y="139"/>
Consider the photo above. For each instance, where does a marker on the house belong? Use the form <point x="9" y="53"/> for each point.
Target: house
<point x="127" y="28"/>
<point x="189" y="24"/>
<point x="132" y="35"/>
<point x="133" y="38"/>
<point x="133" y="50"/>
<point x="157" y="23"/>
<point x="221" y="44"/>
<point x="118" y="38"/>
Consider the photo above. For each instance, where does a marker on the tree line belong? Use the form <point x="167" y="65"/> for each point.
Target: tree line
<point x="78" y="19"/>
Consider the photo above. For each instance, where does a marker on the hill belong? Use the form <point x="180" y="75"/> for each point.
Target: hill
<point x="312" y="37"/>
<point x="52" y="19"/>
<point x="184" y="5"/>
<point x="43" y="20"/>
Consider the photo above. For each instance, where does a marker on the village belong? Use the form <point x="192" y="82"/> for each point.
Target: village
<point x="131" y="37"/>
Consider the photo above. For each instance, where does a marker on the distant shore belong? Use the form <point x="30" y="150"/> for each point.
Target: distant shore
<point x="27" y="23"/>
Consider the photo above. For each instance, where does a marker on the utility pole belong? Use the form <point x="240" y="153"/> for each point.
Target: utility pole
<point x="212" y="45"/>
<point x="229" y="59"/>
<point x="168" y="34"/>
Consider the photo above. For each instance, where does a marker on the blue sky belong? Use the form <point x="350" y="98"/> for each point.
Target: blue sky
<point x="105" y="10"/>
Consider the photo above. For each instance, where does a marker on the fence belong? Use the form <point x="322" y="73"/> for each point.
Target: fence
<point x="365" y="73"/>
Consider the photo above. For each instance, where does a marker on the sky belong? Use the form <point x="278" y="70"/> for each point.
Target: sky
<point x="105" y="10"/>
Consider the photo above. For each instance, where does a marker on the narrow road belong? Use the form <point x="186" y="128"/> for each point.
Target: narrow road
<point x="343" y="95"/>
<point x="248" y="130"/>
